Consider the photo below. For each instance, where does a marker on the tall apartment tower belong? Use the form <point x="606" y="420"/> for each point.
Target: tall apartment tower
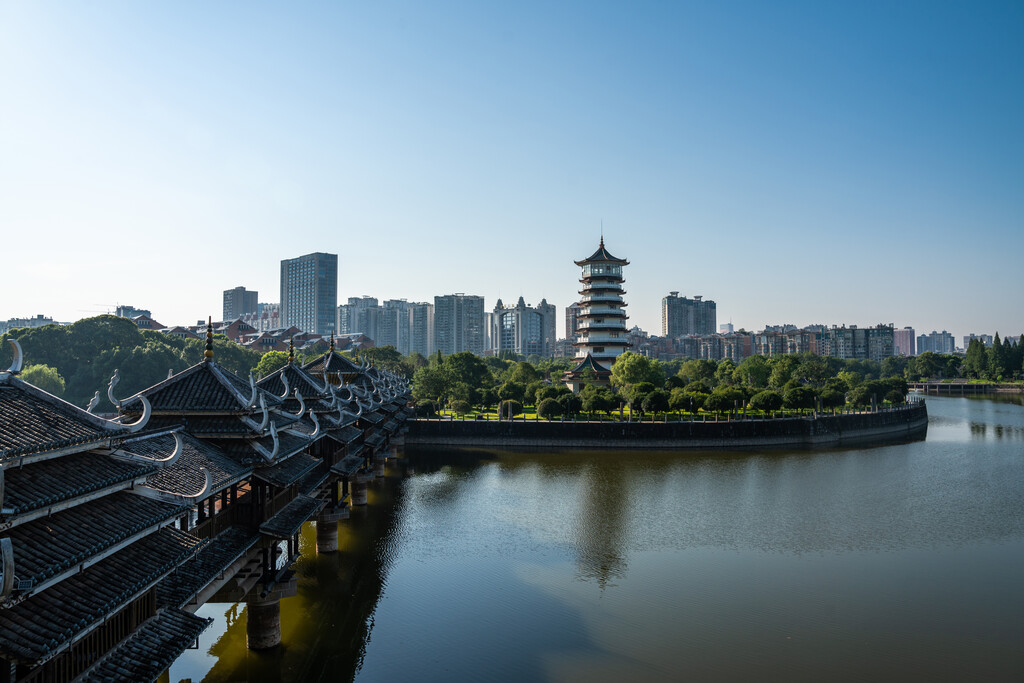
<point x="309" y="292"/>
<point x="681" y="316"/>
<point x="903" y="342"/>
<point x="459" y="324"/>
<point x="421" y="328"/>
<point x="523" y="329"/>
<point x="572" y="321"/>
<point x="602" y="327"/>
<point x="239" y="302"/>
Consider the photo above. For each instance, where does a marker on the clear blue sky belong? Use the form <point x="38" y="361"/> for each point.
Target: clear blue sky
<point x="796" y="162"/>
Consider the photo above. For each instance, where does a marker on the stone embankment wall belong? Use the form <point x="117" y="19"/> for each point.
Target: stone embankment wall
<point x="896" y="424"/>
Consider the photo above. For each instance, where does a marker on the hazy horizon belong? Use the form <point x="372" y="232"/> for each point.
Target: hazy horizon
<point x="796" y="163"/>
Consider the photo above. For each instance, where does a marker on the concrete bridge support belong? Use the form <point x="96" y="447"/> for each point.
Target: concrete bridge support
<point x="359" y="489"/>
<point x="263" y="622"/>
<point x="326" y="534"/>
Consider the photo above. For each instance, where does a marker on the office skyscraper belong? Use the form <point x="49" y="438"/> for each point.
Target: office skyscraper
<point x="309" y="292"/>
<point x="239" y="302"/>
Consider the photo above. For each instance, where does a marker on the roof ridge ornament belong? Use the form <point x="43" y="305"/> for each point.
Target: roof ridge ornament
<point x="179" y="448"/>
<point x="149" y="491"/>
<point x="269" y="455"/>
<point x="93" y="402"/>
<point x="302" y="404"/>
<point x="114" y="379"/>
<point x="16" y="364"/>
<point x="316" y="432"/>
<point x="287" y="387"/>
<point x="266" y="414"/>
<point x="252" y="385"/>
<point x="147" y="411"/>
<point x="208" y="353"/>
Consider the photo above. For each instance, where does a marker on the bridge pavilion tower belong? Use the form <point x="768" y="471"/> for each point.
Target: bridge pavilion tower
<point x="602" y="320"/>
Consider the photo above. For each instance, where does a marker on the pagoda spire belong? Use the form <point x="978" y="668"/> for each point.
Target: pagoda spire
<point x="291" y="350"/>
<point x="208" y="353"/>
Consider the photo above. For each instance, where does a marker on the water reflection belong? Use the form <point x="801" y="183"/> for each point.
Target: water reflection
<point x="660" y="566"/>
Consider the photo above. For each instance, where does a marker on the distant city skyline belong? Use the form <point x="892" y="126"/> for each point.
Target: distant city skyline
<point x="795" y="163"/>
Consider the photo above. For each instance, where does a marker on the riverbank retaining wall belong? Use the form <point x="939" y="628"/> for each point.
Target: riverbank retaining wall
<point x="898" y="424"/>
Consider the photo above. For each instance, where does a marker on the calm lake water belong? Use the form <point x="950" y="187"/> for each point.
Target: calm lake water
<point x="902" y="562"/>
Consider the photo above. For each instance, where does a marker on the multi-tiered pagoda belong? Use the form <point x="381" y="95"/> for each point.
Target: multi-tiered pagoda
<point x="601" y="336"/>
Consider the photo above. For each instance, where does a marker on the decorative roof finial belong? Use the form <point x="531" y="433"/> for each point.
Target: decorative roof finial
<point x="332" y="343"/>
<point x="208" y="354"/>
<point x="602" y="233"/>
<point x="291" y="350"/>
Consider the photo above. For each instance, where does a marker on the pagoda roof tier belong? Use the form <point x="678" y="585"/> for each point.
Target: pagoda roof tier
<point x="39" y="628"/>
<point x="292" y="516"/>
<point x="184" y="476"/>
<point x="603" y="277"/>
<point x="315" y="478"/>
<point x="617" y="313"/>
<point x="50" y="483"/>
<point x="600" y="291"/>
<point x="374" y="439"/>
<point x="298" y="378"/>
<point x="151" y="649"/>
<point x="207" y="565"/>
<point x="33" y="422"/>
<point x="203" y="388"/>
<point x="287" y="472"/>
<point x="345" y="435"/>
<point x="602" y="256"/>
<point x="348" y="465"/>
<point x="616" y="303"/>
<point x="332" y="361"/>
<point x="609" y="342"/>
<point x="589" y="363"/>
<point x="48" y="547"/>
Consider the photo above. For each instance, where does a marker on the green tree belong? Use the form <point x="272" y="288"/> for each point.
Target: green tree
<point x="468" y="368"/>
<point x="600" y="400"/>
<point x="637" y="393"/>
<point x="782" y="371"/>
<point x="507" y="409"/>
<point x="549" y="408"/>
<point x="766" y="400"/>
<point x="656" y="402"/>
<point x="271" y="362"/>
<point x="431" y="382"/>
<point x="698" y="369"/>
<point x="753" y="372"/>
<point x="799" y="398"/>
<point x="571" y="403"/>
<point x="523" y="373"/>
<point x="632" y="368"/>
<point x="724" y="372"/>
<point x="44" y="377"/>
<point x="512" y="391"/>
<point x="830" y="398"/>
<point x="724" y="399"/>
<point x="998" y="365"/>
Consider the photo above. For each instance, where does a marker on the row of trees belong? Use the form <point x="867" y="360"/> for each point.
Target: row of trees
<point x="463" y="381"/>
<point x="1002" y="361"/>
<point x="74" y="361"/>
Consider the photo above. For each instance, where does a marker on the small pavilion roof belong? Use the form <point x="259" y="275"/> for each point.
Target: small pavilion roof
<point x="588" y="363"/>
<point x="602" y="256"/>
<point x="208" y="564"/>
<point x="184" y="477"/>
<point x="291" y="517"/>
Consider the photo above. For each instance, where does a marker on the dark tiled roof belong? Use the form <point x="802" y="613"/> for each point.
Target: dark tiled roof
<point x="288" y="471"/>
<point x="373" y="417"/>
<point x="37" y="628"/>
<point x="151" y="649"/>
<point x="214" y="426"/>
<point x="589" y="363"/>
<point x="391" y="426"/>
<point x="48" y="546"/>
<point x="315" y="478"/>
<point x="32" y="421"/>
<point x="46" y="483"/>
<point x="204" y="387"/>
<point x="348" y="465"/>
<point x="291" y="517"/>
<point x="332" y="362"/>
<point x="207" y="565"/>
<point x="374" y="439"/>
<point x="184" y="477"/>
<point x="601" y="255"/>
<point x="345" y="435"/>
<point x="298" y="378"/>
